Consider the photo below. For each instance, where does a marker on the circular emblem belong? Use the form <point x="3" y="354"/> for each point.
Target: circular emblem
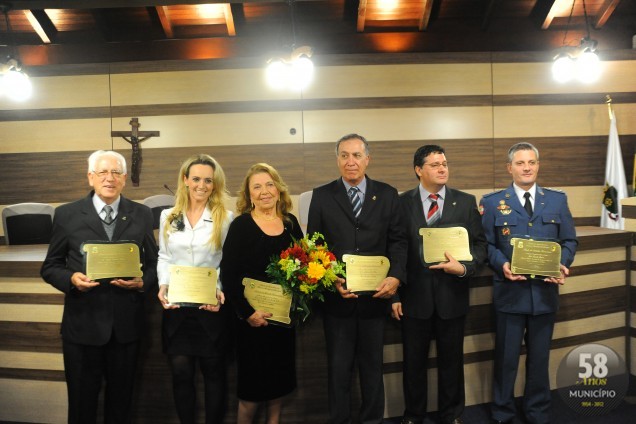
<point x="592" y="379"/>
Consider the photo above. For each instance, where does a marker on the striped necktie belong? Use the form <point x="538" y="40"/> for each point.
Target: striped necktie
<point x="108" y="210"/>
<point x="433" y="212"/>
<point x="355" y="201"/>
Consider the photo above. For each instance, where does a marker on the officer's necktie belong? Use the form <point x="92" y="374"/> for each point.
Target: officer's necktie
<point x="433" y="211"/>
<point x="355" y="201"/>
<point x="527" y="206"/>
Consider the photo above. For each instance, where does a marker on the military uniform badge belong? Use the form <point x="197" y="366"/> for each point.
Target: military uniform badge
<point x="503" y="208"/>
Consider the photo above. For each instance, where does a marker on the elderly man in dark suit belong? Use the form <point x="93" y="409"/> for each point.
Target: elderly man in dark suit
<point x="102" y="321"/>
<point x="525" y="307"/>
<point x="434" y="302"/>
<point x="360" y="216"/>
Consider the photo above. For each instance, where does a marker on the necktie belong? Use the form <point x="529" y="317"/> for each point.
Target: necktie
<point x="433" y="211"/>
<point x="527" y="206"/>
<point x="355" y="201"/>
<point x="108" y="219"/>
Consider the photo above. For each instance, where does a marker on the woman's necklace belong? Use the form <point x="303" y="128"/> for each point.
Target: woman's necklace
<point x="264" y="217"/>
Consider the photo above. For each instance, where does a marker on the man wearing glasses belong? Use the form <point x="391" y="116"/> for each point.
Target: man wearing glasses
<point x="103" y="320"/>
<point x="434" y="302"/>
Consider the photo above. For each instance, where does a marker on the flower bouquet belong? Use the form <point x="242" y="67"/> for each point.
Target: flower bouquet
<point x="306" y="270"/>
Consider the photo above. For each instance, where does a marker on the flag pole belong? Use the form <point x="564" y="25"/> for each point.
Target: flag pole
<point x="608" y="101"/>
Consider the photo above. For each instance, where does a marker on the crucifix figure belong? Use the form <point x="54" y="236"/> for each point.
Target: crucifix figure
<point x="136" y="138"/>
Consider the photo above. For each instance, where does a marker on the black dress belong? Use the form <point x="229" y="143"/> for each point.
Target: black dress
<point x="265" y="355"/>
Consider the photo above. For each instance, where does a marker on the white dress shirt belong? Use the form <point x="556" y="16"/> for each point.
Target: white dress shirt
<point x="189" y="246"/>
<point x="99" y="206"/>
<point x="521" y="192"/>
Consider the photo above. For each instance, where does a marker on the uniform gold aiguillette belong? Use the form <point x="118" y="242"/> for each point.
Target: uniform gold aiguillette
<point x="112" y="260"/>
<point x="365" y="273"/>
<point x="535" y="257"/>
<point x="270" y="298"/>
<point x="192" y="285"/>
<point x="437" y="240"/>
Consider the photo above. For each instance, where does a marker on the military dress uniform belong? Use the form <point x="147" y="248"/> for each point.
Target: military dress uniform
<point x="524" y="309"/>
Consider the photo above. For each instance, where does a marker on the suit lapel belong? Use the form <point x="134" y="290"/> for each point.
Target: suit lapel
<point x="124" y="217"/>
<point x="539" y="202"/>
<point x="417" y="208"/>
<point x="92" y="219"/>
<point x="513" y="201"/>
<point x="369" y="198"/>
<point x="449" y="208"/>
<point x="342" y="199"/>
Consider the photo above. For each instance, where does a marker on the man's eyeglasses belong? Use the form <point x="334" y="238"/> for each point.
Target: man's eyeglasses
<point x="436" y="165"/>
<point x="116" y="173"/>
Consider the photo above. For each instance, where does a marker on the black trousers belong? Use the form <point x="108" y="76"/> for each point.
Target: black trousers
<point x="87" y="367"/>
<point x="349" y="340"/>
<point x="416" y="338"/>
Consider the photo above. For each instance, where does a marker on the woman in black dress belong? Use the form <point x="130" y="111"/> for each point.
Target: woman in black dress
<point x="265" y="352"/>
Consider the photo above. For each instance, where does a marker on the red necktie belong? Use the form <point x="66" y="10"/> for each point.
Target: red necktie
<point x="431" y="216"/>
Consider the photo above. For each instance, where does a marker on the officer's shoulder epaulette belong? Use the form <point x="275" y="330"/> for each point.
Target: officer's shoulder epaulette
<point x="554" y="189"/>
<point x="494" y="192"/>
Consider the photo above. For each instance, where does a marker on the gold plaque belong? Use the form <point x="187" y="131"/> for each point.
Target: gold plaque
<point x="192" y="285"/>
<point x="270" y="298"/>
<point x="365" y="273"/>
<point x="436" y="241"/>
<point x="535" y="258"/>
<point x="112" y="260"/>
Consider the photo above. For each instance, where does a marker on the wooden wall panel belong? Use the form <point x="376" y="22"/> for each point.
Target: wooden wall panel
<point x="177" y="87"/>
<point x="401" y="80"/>
<point x="535" y="78"/>
<point x="55" y="136"/>
<point x="551" y="121"/>
<point x="64" y="92"/>
<point x="18" y="399"/>
<point x="390" y="124"/>
<point x="230" y="129"/>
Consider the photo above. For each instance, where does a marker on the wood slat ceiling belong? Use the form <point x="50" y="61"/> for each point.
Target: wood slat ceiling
<point x="59" y="32"/>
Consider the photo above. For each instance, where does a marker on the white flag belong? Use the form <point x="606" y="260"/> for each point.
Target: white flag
<point x="615" y="184"/>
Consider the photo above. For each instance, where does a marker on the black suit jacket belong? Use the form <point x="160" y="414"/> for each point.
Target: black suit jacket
<point x="376" y="231"/>
<point x="428" y="290"/>
<point x="92" y="317"/>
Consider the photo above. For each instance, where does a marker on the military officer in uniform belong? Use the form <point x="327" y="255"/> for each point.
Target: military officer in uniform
<point x="525" y="307"/>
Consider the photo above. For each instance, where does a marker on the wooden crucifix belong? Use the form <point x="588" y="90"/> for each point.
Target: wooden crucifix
<point x="135" y="138"/>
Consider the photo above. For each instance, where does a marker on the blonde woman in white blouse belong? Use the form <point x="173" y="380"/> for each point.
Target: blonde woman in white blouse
<point x="192" y="233"/>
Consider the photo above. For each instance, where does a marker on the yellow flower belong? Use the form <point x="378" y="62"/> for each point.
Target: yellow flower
<point x="315" y="270"/>
<point x="320" y="256"/>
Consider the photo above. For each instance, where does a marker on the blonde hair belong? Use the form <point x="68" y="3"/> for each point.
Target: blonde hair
<point x="244" y="202"/>
<point x="216" y="201"/>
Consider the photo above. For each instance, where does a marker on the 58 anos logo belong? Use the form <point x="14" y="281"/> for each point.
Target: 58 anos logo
<point x="592" y="379"/>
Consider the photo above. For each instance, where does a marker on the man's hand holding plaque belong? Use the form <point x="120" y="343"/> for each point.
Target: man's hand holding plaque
<point x="268" y="297"/>
<point x="537" y="258"/>
<point x="439" y="240"/>
<point x="365" y="273"/>
<point x="192" y="286"/>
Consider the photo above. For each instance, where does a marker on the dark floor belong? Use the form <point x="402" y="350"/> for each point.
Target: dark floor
<point x="561" y="413"/>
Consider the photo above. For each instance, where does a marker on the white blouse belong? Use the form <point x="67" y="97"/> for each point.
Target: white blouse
<point x="189" y="246"/>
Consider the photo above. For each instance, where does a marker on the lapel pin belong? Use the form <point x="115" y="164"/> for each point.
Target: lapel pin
<point x="123" y="218"/>
<point x="454" y="203"/>
<point x="373" y="198"/>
